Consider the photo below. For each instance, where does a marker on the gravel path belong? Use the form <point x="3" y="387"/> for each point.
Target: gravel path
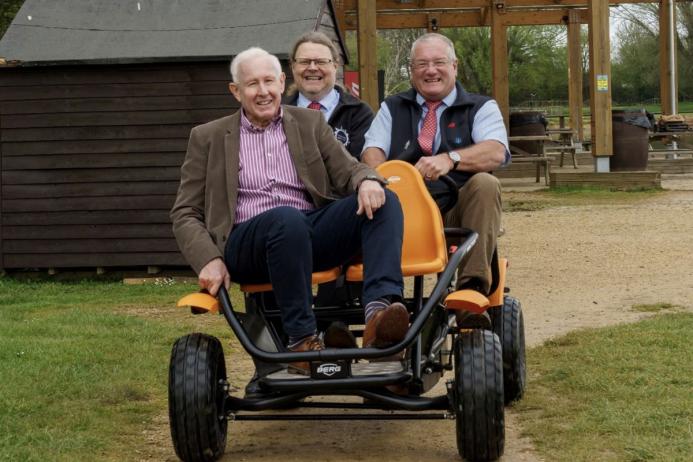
<point x="571" y="267"/>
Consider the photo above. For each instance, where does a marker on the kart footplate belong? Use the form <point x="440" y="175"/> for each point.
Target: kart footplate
<point x="359" y="369"/>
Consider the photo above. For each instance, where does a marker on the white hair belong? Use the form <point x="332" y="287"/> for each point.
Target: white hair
<point x="433" y="36"/>
<point x="251" y="53"/>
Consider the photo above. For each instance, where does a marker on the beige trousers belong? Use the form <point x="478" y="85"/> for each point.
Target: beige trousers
<point x="479" y="209"/>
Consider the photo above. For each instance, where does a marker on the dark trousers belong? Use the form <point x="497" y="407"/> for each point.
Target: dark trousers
<point x="285" y="245"/>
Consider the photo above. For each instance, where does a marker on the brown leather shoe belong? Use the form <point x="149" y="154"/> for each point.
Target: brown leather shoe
<point x="338" y="335"/>
<point x="312" y="343"/>
<point x="387" y="327"/>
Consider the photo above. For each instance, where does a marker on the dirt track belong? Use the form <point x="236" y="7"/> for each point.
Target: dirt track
<point x="571" y="266"/>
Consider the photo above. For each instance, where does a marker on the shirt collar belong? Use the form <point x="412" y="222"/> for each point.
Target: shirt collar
<point x="248" y="125"/>
<point x="328" y="102"/>
<point x="447" y="101"/>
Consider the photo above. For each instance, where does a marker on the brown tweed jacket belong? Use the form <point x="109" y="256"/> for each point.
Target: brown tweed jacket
<point x="206" y="203"/>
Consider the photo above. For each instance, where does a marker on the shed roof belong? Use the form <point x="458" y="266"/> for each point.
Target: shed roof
<point x="48" y="32"/>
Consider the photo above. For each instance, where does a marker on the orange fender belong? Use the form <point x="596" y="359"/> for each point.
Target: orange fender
<point x="200" y="302"/>
<point x="468" y="300"/>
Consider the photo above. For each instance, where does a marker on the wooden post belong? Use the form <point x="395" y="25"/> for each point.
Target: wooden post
<point x="368" y="59"/>
<point x="668" y="83"/>
<point x="499" y="59"/>
<point x="575" y="75"/>
<point x="600" y="83"/>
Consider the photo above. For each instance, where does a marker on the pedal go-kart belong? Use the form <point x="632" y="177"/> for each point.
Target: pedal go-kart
<point x="488" y="365"/>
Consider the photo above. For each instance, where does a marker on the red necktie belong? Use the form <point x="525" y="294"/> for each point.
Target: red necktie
<point x="428" y="130"/>
<point x="314" y="105"/>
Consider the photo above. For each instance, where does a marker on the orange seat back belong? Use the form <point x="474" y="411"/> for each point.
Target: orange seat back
<point x="424" y="237"/>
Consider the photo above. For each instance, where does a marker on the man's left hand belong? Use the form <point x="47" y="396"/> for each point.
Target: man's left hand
<point x="433" y="167"/>
<point x="371" y="197"/>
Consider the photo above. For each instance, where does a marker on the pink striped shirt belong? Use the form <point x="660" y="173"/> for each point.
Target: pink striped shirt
<point x="267" y="177"/>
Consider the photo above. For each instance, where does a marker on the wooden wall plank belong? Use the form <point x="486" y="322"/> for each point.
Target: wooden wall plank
<point x="119" y="231"/>
<point x="115" y="90"/>
<point x="116" y="118"/>
<point x="104" y="104"/>
<point x="120" y="188"/>
<point x="91" y="146"/>
<point x="91" y="175"/>
<point x="129" y="132"/>
<point x="71" y="75"/>
<point x="95" y="217"/>
<point x="164" y="202"/>
<point x="42" y="246"/>
<point x="98" y="160"/>
<point x="68" y="260"/>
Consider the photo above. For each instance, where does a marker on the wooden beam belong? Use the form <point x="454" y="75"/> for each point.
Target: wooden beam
<point x="499" y="61"/>
<point x="575" y="74"/>
<point x="600" y="81"/>
<point x="350" y="6"/>
<point x="368" y="60"/>
<point x="464" y="19"/>
<point x="667" y="89"/>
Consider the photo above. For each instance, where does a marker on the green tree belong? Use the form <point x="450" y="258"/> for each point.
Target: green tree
<point x="8" y="10"/>
<point x="636" y="64"/>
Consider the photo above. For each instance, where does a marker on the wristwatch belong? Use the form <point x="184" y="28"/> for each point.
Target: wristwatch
<point x="374" y="178"/>
<point x="456" y="158"/>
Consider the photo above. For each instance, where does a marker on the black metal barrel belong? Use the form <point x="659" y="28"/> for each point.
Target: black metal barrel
<point x="630" y="139"/>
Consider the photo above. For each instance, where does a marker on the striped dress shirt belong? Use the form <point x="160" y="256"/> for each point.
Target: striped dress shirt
<point x="267" y="177"/>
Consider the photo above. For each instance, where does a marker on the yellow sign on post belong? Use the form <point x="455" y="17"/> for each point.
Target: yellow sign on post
<point x="602" y="82"/>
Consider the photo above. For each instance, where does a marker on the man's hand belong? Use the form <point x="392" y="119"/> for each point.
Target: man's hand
<point x="433" y="167"/>
<point x="213" y="275"/>
<point x="371" y="197"/>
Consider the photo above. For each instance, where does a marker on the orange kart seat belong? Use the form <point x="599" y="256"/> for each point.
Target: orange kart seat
<point x="201" y="302"/>
<point x="423" y="248"/>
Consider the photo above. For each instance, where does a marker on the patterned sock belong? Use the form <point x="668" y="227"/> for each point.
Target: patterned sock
<point x="375" y="306"/>
<point x="295" y="341"/>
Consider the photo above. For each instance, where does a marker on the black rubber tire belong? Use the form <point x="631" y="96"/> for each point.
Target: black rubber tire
<point x="509" y="325"/>
<point x="479" y="408"/>
<point x="196" y="396"/>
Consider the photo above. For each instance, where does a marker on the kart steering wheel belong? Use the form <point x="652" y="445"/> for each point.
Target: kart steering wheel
<point x="445" y="192"/>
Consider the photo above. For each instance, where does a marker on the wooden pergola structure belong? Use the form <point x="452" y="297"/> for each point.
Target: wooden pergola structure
<point x="367" y="16"/>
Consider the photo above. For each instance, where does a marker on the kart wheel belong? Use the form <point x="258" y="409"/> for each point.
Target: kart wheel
<point x="509" y="326"/>
<point x="479" y="406"/>
<point x="196" y="395"/>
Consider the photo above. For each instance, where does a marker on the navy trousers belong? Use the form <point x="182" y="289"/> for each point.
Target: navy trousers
<point x="285" y="245"/>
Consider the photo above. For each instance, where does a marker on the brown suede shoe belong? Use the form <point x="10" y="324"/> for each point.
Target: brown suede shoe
<point x="312" y="343"/>
<point x="387" y="327"/>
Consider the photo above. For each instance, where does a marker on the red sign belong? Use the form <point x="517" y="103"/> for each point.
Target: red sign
<point x="351" y="82"/>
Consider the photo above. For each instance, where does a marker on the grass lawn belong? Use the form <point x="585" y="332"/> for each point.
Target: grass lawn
<point x="83" y="366"/>
<point x="83" y="373"/>
<point x="572" y="196"/>
<point x="613" y="394"/>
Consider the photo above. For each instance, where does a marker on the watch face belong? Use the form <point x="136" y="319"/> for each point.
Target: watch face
<point x="454" y="156"/>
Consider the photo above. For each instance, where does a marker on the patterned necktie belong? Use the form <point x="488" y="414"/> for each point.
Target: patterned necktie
<point x="314" y="105"/>
<point x="428" y="130"/>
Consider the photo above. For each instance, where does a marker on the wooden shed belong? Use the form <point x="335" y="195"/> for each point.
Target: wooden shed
<point x="96" y="104"/>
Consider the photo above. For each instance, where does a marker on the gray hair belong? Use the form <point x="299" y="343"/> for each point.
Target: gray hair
<point x="434" y="36"/>
<point x="251" y="53"/>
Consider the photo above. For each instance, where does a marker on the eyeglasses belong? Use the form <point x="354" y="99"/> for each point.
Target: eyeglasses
<point x="305" y="62"/>
<point x="438" y="64"/>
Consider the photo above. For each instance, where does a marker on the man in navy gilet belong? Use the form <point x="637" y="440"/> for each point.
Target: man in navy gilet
<point x="443" y="130"/>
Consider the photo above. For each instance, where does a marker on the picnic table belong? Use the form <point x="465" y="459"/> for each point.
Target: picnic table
<point x="566" y="143"/>
<point x="539" y="158"/>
